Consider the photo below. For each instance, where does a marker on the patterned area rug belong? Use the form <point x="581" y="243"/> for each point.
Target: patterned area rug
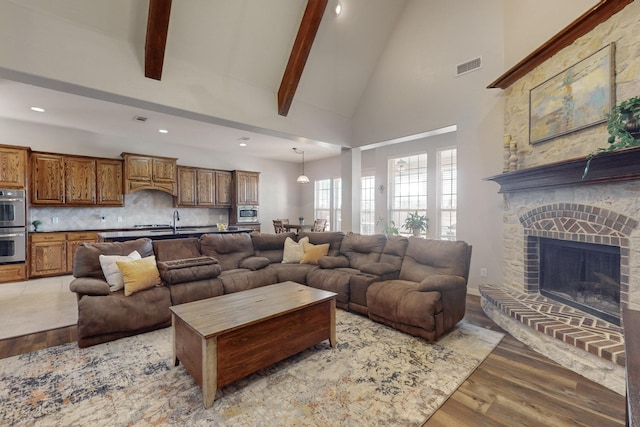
<point x="376" y="376"/>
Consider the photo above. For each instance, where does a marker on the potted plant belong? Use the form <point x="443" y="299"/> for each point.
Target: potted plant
<point x="37" y="224"/>
<point x="301" y="219"/>
<point x="389" y="229"/>
<point x="416" y="223"/>
<point x="623" y="125"/>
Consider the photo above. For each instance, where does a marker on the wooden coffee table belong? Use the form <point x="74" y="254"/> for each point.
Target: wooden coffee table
<point x="222" y="339"/>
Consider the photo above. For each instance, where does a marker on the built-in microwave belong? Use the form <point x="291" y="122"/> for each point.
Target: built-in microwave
<point x="12" y="208"/>
<point x="247" y="214"/>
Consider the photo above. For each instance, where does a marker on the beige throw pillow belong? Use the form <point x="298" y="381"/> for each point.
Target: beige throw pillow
<point x="112" y="272"/>
<point x="293" y="251"/>
<point x="139" y="275"/>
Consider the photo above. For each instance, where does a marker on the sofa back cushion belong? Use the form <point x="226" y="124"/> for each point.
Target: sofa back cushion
<point x="394" y="250"/>
<point x="270" y="246"/>
<point x="174" y="249"/>
<point x="362" y="249"/>
<point x="228" y="249"/>
<point x="333" y="238"/>
<point x="87" y="259"/>
<point x="425" y="257"/>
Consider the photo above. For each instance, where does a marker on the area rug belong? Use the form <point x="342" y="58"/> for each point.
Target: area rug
<point x="375" y="376"/>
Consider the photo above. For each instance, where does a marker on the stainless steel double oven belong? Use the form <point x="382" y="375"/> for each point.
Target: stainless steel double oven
<point x="13" y="226"/>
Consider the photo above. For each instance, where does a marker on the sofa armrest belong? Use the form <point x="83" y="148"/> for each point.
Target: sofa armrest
<point x="254" y="263"/>
<point x="339" y="261"/>
<point x="442" y="283"/>
<point x="89" y="286"/>
<point x="379" y="268"/>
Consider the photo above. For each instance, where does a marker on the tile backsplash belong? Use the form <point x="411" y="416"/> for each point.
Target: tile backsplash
<point x="142" y="207"/>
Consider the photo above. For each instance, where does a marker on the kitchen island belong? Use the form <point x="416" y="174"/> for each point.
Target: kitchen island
<point x="167" y="233"/>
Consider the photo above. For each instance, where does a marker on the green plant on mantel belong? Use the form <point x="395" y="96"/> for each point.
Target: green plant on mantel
<point x="623" y="125"/>
<point x="416" y="223"/>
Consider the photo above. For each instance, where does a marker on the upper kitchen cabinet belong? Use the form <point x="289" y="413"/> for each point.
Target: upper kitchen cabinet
<point x="13" y="167"/>
<point x="80" y="181"/>
<point x="144" y="172"/>
<point x="223" y="188"/>
<point x="109" y="182"/>
<point x="47" y="179"/>
<point x="246" y="187"/>
<point x="75" y="180"/>
<point x="198" y="187"/>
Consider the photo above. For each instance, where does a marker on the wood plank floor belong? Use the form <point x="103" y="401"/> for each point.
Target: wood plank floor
<point x="514" y="386"/>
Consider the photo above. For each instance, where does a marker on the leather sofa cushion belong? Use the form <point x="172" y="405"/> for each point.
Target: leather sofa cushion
<point x="190" y="274"/>
<point x="228" y="249"/>
<point x="173" y="249"/>
<point x="425" y="257"/>
<point x="394" y="250"/>
<point x="270" y="245"/>
<point x="334" y="238"/>
<point x="87" y="259"/>
<point x="362" y="249"/>
<point x="254" y="263"/>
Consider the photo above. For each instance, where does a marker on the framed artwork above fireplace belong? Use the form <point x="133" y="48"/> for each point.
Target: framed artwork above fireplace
<point x="577" y="98"/>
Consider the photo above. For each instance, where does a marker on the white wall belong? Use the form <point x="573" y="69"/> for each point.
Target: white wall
<point x="275" y="176"/>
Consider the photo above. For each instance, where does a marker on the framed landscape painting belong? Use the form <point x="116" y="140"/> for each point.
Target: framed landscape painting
<point x="579" y="97"/>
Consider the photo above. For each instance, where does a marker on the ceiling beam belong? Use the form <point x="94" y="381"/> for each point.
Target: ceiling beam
<point x="157" y="29"/>
<point x="299" y="53"/>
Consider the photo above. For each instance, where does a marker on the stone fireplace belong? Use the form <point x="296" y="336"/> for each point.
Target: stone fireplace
<point x="559" y="226"/>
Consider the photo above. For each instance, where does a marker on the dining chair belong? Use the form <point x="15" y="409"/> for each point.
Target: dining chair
<point x="319" y="225"/>
<point x="277" y="226"/>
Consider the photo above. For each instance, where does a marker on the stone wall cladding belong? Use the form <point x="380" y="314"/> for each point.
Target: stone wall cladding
<point x="621" y="29"/>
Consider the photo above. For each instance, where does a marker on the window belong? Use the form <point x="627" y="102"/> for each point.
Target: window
<point x="408" y="188"/>
<point x="368" y="205"/>
<point x="328" y="202"/>
<point x="448" y="179"/>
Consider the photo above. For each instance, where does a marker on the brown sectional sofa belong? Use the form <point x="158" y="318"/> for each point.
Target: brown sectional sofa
<point x="215" y="264"/>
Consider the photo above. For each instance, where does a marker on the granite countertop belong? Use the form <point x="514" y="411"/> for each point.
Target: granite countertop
<point x="167" y="233"/>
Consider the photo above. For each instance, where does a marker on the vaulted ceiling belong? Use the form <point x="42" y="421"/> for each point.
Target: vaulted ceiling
<point x="245" y="41"/>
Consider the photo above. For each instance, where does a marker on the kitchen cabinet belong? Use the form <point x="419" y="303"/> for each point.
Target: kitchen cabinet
<point x="142" y="172"/>
<point x="47" y="179"/>
<point x="52" y="254"/>
<point x="47" y="254"/>
<point x="13" y="167"/>
<point x="199" y="187"/>
<point x="109" y="182"/>
<point x="246" y="187"/>
<point x="13" y="272"/>
<point x="75" y="239"/>
<point x="223" y="188"/>
<point x="75" y="180"/>
<point x="80" y="181"/>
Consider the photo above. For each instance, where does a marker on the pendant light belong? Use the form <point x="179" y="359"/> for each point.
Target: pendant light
<point x="302" y="179"/>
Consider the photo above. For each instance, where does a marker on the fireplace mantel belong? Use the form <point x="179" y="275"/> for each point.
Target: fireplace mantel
<point x="615" y="166"/>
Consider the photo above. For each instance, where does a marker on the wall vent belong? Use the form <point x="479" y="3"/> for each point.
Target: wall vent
<point x="140" y="118"/>
<point x="468" y="66"/>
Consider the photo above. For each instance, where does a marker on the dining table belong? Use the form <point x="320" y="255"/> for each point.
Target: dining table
<point x="297" y="227"/>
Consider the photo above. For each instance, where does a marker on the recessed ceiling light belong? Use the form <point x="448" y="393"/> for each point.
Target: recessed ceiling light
<point x="163" y="131"/>
<point x="243" y="144"/>
<point x="37" y="109"/>
<point x="338" y="9"/>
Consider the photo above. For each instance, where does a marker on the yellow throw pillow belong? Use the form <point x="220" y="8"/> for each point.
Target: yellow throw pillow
<point x="139" y="275"/>
<point x="313" y="252"/>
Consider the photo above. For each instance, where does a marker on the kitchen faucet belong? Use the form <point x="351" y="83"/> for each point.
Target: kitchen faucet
<point x="176" y="217"/>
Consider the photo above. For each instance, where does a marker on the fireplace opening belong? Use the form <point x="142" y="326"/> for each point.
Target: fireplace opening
<point x="583" y="275"/>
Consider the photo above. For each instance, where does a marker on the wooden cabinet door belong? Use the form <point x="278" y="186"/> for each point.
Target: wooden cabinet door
<point x="206" y="187"/>
<point x="13" y="167"/>
<point x="80" y="187"/>
<point x="223" y="188"/>
<point x="164" y="170"/>
<point x="74" y="240"/>
<point x="251" y="192"/>
<point x="138" y="168"/>
<point x="187" y="186"/>
<point x="47" y="179"/>
<point x="48" y="255"/>
<point x="109" y="182"/>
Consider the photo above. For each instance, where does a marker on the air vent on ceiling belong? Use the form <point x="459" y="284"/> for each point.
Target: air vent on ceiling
<point x="140" y="119"/>
<point x="468" y="66"/>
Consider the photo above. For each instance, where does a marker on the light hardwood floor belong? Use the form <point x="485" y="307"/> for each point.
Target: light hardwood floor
<point x="514" y="386"/>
